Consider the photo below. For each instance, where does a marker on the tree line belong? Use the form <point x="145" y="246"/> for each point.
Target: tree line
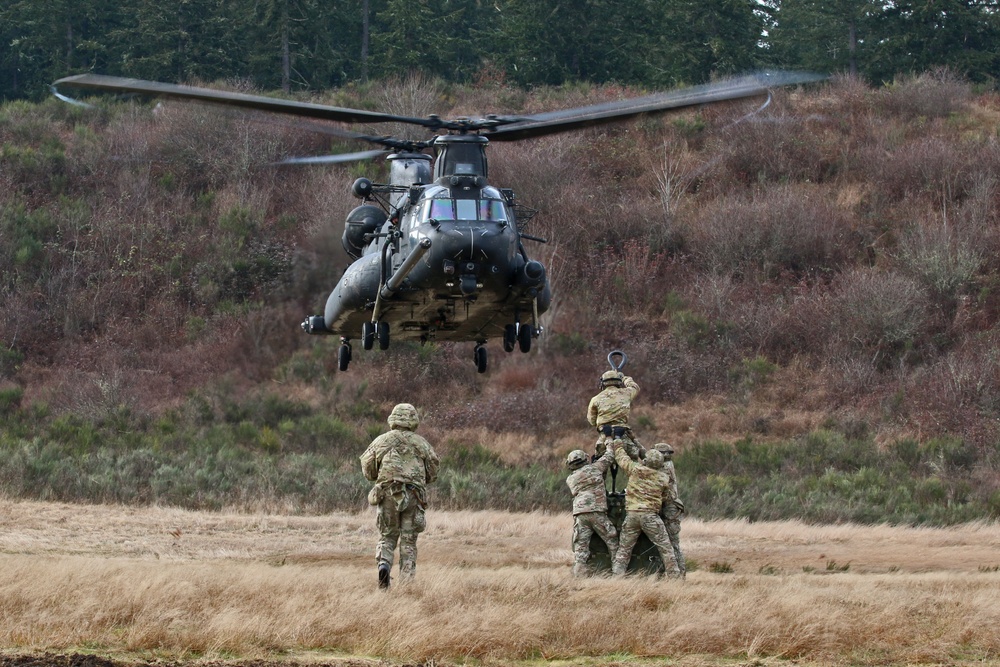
<point x="318" y="44"/>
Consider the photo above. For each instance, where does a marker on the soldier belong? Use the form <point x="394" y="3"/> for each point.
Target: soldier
<point x="590" y="506"/>
<point x="609" y="411"/>
<point x="647" y="489"/>
<point x="400" y="463"/>
<point x="672" y="510"/>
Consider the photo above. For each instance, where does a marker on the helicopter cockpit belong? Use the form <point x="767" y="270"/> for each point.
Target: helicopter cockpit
<point x="441" y="207"/>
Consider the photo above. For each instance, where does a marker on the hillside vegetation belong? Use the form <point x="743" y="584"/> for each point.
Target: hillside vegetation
<point x="807" y="295"/>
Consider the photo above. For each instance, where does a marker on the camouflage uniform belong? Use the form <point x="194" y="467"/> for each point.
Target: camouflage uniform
<point x="590" y="507"/>
<point x="672" y="511"/>
<point x="400" y="463"/>
<point x="610" y="409"/>
<point x="647" y="489"/>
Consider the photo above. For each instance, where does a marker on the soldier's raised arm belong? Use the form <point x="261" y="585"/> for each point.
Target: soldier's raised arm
<point x="605" y="460"/>
<point x="621" y="456"/>
<point x="631" y="385"/>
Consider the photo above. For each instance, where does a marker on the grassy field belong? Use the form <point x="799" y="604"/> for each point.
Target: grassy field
<point x="492" y="588"/>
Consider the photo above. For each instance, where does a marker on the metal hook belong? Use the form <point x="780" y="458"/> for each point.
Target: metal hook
<point x="619" y="365"/>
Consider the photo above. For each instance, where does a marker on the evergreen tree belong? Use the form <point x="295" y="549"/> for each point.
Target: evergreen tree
<point x="304" y="43"/>
<point x="959" y="34"/>
<point x="179" y="41"/>
<point x="42" y="40"/>
<point x="835" y="36"/>
<point x="440" y="37"/>
<point x="699" y="39"/>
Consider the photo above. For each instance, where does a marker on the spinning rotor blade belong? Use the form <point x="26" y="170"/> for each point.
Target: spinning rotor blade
<point x="570" y="119"/>
<point x="341" y="133"/>
<point x="305" y="109"/>
<point x="335" y="159"/>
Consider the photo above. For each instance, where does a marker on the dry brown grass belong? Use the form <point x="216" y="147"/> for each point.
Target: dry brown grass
<point x="491" y="586"/>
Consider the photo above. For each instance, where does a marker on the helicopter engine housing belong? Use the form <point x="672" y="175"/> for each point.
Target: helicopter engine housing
<point x="362" y="221"/>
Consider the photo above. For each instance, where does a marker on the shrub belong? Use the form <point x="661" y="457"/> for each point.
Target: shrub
<point x="780" y="229"/>
<point x="943" y="258"/>
<point x="937" y="93"/>
<point x="880" y="312"/>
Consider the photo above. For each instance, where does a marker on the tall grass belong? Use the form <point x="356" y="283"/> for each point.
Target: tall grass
<point x="490" y="586"/>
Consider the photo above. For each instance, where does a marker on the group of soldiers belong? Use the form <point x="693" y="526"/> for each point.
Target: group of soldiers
<point x="402" y="463"/>
<point x="652" y="505"/>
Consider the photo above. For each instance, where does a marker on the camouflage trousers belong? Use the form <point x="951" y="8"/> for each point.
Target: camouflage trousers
<point x="672" y="522"/>
<point x="584" y="527"/>
<point x="634" y="450"/>
<point x="651" y="524"/>
<point x="399" y="526"/>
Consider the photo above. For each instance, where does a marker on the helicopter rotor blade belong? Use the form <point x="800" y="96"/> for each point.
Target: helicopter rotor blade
<point x="334" y="159"/>
<point x="341" y="133"/>
<point x="304" y="109"/>
<point x="570" y="119"/>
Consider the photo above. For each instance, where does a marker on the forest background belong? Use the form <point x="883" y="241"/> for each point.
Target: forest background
<point x="807" y="295"/>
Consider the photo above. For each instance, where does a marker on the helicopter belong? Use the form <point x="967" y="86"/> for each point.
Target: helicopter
<point x="438" y="251"/>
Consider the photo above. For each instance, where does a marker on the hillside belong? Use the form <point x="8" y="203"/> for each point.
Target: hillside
<point x="806" y="295"/>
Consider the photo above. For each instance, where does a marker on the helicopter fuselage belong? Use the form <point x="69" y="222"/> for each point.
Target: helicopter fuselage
<point x="472" y="278"/>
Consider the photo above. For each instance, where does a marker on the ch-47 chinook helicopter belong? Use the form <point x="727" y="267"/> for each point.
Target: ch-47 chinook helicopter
<point x="438" y="252"/>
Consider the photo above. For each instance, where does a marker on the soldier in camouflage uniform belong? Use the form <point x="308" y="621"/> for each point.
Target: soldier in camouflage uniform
<point x="590" y="506"/>
<point x="672" y="511"/>
<point x="400" y="463"/>
<point x="647" y="490"/>
<point x="609" y="411"/>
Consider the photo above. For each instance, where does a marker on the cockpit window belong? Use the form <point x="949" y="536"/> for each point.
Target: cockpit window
<point x="466" y="209"/>
<point x="490" y="210"/>
<point x="442" y="209"/>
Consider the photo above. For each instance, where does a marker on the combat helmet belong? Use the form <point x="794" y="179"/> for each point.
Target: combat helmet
<point x="612" y="378"/>
<point x="404" y="416"/>
<point x="665" y="449"/>
<point x="576" y="458"/>
<point x="654" y="459"/>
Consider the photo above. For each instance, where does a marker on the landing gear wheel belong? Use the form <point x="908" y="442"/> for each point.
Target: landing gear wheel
<point x="509" y="337"/>
<point x="382" y="331"/>
<point x="524" y="336"/>
<point x="344" y="356"/>
<point x="368" y="335"/>
<point x="479" y="355"/>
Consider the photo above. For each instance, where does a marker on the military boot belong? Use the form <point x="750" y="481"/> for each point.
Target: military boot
<point x="383" y="575"/>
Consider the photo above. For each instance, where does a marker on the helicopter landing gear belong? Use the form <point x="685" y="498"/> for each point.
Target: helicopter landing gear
<point x="368" y="335"/>
<point x="479" y="356"/>
<point x="344" y="355"/>
<point x="524" y="335"/>
<point x="509" y="337"/>
<point x="382" y="332"/>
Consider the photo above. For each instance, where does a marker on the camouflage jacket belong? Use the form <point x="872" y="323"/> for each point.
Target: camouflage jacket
<point x="668" y="468"/>
<point x="587" y="486"/>
<point x="400" y="456"/>
<point x="612" y="405"/>
<point x="647" y="487"/>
